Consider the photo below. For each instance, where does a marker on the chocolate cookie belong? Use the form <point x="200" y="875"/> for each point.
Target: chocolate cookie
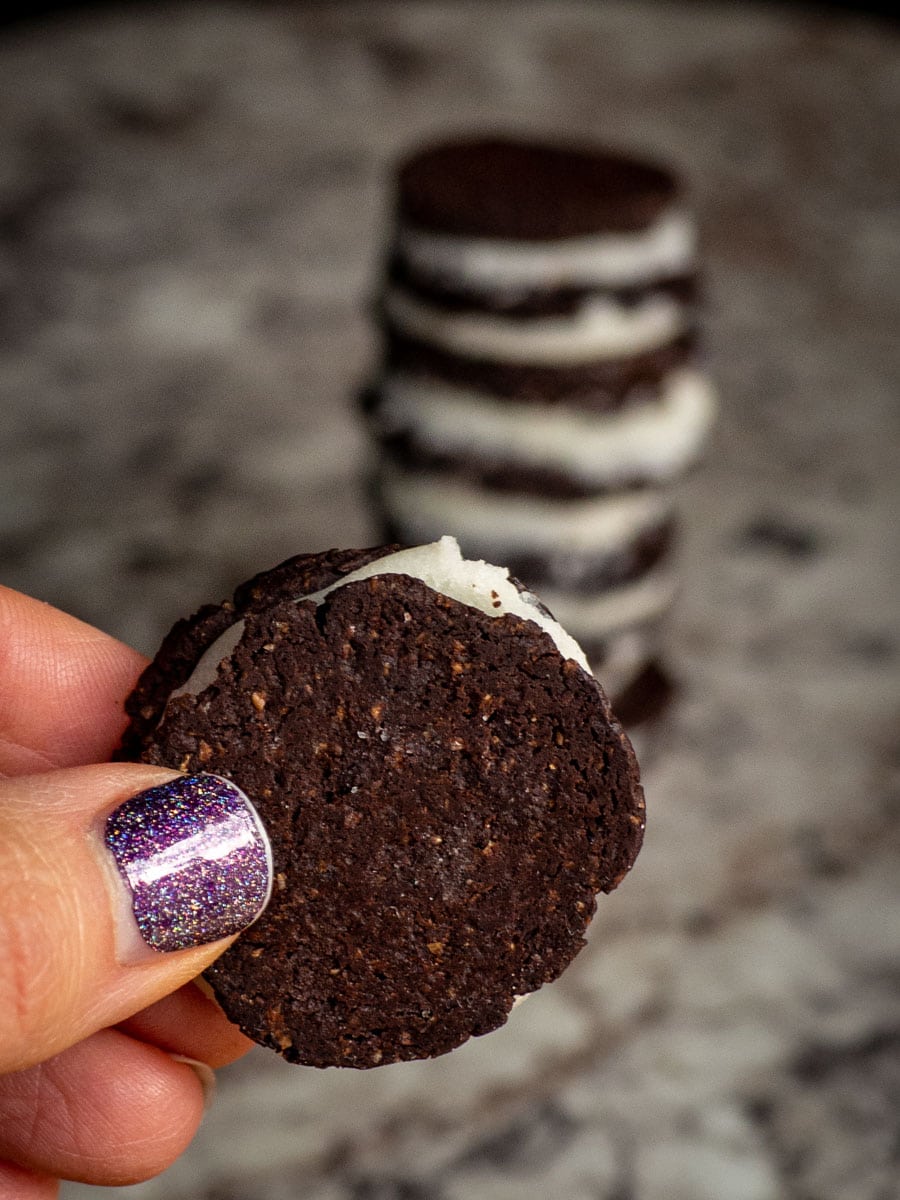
<point x="529" y="191"/>
<point x="442" y="780"/>
<point x="539" y="306"/>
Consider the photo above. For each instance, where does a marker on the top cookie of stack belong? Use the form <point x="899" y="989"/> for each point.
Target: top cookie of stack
<point x="538" y="395"/>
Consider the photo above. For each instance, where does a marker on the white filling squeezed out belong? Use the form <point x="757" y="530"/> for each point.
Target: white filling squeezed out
<point x="441" y="567"/>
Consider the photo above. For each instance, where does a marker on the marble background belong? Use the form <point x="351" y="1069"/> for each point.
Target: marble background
<point x="192" y="206"/>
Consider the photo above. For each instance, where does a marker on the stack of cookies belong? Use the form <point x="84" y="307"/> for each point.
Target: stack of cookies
<point x="539" y="394"/>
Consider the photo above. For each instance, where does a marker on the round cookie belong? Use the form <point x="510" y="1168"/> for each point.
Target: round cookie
<point x="442" y="780"/>
<point x="473" y="187"/>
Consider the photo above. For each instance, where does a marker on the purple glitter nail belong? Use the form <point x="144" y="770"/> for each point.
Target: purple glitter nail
<point x="196" y="858"/>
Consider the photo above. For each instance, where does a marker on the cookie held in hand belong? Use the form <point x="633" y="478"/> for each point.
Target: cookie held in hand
<point x="442" y="780"/>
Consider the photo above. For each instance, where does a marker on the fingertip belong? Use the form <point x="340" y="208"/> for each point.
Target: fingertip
<point x="110" y="1111"/>
<point x="173" y="1096"/>
<point x="144" y="1125"/>
<point x="191" y="1023"/>
<point x="205" y="1074"/>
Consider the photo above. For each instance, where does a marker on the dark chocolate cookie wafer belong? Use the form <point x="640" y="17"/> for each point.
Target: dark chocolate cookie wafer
<point x="531" y="191"/>
<point x="442" y="780"/>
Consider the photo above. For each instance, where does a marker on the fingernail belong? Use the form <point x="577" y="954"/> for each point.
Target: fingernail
<point x="195" y="858"/>
<point x="204" y="1073"/>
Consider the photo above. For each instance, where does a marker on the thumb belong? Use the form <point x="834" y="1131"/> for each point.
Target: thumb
<point x="118" y="883"/>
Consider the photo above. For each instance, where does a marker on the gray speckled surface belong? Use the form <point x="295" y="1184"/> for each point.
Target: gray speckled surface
<point x="191" y="208"/>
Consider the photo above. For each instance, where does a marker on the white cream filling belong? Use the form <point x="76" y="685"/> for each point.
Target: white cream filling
<point x="665" y="249"/>
<point x="423" y="503"/>
<point x="599" y="329"/>
<point x="616" y="610"/>
<point x="204" y="672"/>
<point x="441" y="567"/>
<point x="655" y="439"/>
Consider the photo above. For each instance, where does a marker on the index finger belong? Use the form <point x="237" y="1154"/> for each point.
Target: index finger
<point x="62" y="688"/>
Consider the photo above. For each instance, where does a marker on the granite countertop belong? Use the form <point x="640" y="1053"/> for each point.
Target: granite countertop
<point x="192" y="206"/>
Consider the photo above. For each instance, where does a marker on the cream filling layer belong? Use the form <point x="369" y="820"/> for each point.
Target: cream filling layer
<point x="665" y="249"/>
<point x="617" y="609"/>
<point x="423" y="503"/>
<point x="599" y="329"/>
<point x="655" y="439"/>
<point x="441" y="567"/>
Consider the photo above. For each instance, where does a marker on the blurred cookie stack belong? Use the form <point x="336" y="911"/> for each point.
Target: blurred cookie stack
<point x="539" y="394"/>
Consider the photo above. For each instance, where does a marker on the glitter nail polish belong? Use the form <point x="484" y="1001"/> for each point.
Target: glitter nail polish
<point x="196" y="860"/>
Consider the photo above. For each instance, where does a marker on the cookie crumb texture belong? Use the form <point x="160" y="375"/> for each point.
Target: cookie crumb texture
<point x="445" y="795"/>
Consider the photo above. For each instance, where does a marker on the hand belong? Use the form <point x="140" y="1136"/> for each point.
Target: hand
<point x="95" y="992"/>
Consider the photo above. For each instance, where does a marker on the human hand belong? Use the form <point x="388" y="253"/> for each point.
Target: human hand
<point x="93" y="1021"/>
